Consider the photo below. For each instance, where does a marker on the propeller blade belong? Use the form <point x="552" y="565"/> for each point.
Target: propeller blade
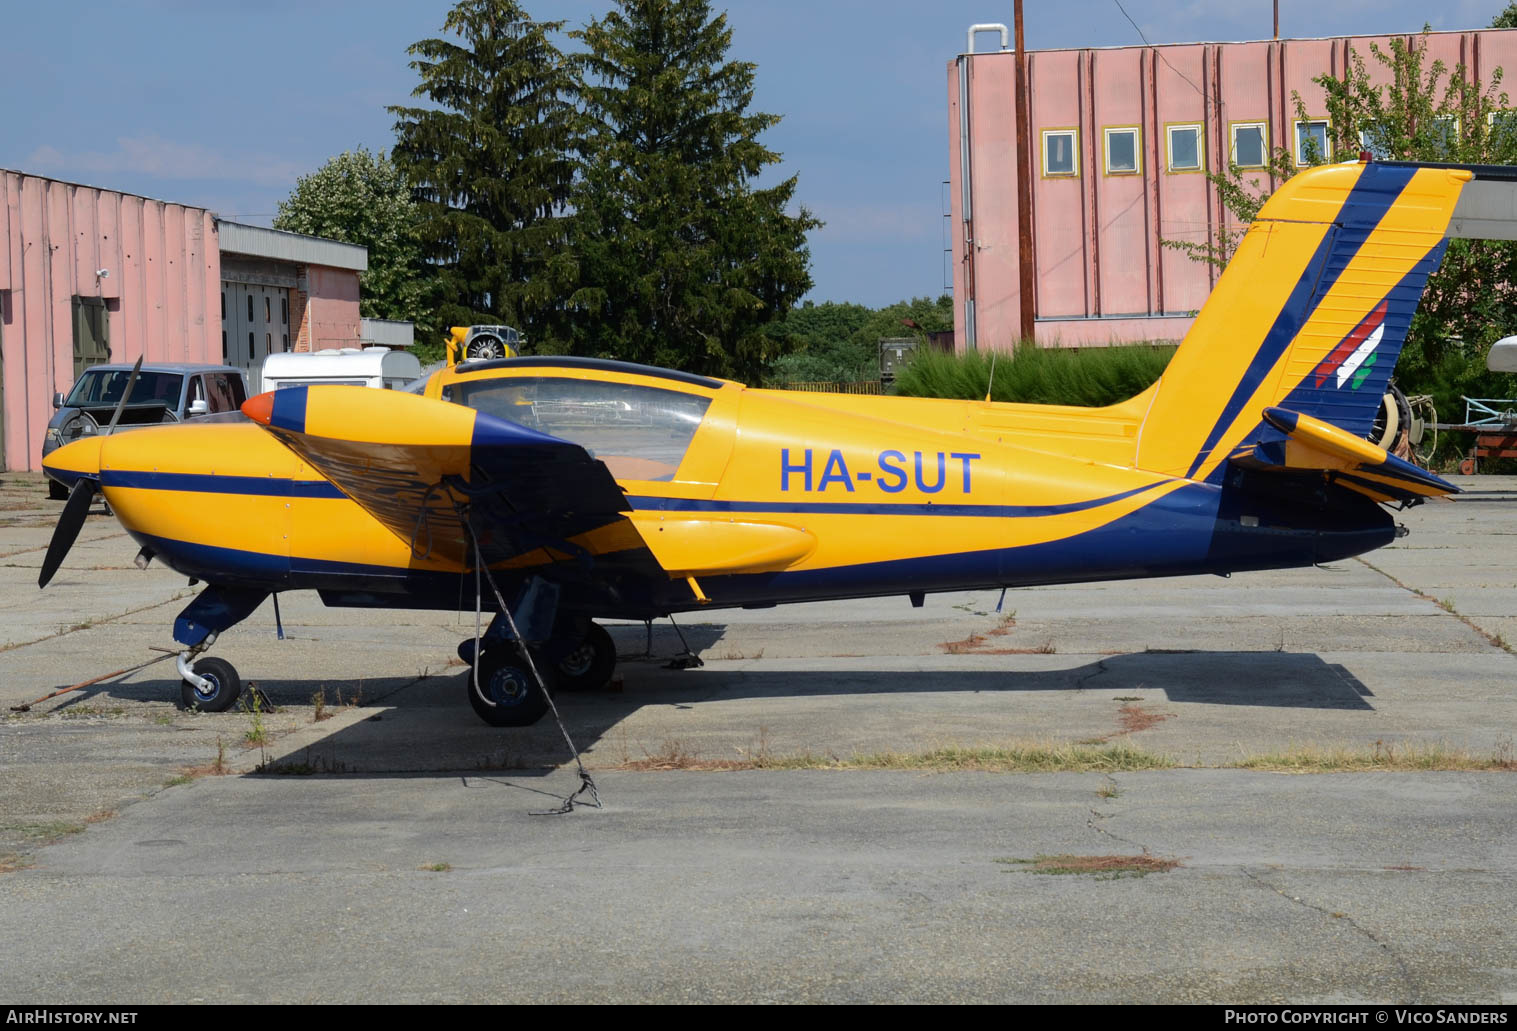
<point x="75" y="511"/>
<point x="131" y="381"/>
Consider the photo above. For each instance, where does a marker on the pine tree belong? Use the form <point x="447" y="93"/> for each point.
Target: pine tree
<point x="682" y="261"/>
<point x="491" y="167"/>
<point x="359" y="197"/>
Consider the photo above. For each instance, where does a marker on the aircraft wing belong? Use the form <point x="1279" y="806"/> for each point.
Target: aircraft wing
<point x="421" y="466"/>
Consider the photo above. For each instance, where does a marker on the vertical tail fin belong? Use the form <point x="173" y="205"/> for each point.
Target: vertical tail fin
<point x="1309" y="316"/>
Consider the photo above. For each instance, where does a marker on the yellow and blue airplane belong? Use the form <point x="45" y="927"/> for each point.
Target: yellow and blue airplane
<point x="587" y="489"/>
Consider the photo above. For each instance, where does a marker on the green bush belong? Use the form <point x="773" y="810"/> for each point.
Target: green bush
<point x="841" y="342"/>
<point x="1091" y="377"/>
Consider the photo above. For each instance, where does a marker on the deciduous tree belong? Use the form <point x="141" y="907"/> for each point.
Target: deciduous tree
<point x="359" y="197"/>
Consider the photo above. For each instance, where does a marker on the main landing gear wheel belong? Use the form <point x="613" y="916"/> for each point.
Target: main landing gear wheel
<point x="507" y="694"/>
<point x="222" y="690"/>
<point x="588" y="667"/>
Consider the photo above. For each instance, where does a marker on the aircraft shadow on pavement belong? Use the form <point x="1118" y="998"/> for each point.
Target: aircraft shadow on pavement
<point x="426" y="727"/>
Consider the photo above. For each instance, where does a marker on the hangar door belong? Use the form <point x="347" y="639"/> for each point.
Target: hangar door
<point x="255" y="322"/>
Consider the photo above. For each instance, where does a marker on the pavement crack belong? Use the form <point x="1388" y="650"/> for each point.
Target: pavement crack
<point x="89" y="624"/>
<point x="1338" y="916"/>
<point x="44" y="547"/>
<point x="1098" y="818"/>
<point x="1494" y="640"/>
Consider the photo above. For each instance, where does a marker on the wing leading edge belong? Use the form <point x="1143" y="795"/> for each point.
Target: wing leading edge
<point x="421" y="466"/>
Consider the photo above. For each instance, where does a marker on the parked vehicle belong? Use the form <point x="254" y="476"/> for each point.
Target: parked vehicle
<point x="164" y="392"/>
<point x="354" y="366"/>
<point x="482" y="343"/>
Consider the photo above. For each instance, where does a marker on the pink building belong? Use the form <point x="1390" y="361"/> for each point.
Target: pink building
<point x="1120" y="139"/>
<point x="90" y="275"/>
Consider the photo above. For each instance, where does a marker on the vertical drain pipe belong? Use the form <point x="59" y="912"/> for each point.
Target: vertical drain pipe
<point x="966" y="176"/>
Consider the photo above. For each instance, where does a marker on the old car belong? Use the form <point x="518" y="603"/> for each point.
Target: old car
<point x="163" y="393"/>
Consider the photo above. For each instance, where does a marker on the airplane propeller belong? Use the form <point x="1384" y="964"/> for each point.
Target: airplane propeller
<point x="77" y="508"/>
<point x="75" y="511"/>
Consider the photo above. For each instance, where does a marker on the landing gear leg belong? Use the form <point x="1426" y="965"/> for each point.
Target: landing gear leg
<point x="211" y="685"/>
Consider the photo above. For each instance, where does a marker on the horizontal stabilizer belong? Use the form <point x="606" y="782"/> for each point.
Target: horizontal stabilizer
<point x="1303" y="442"/>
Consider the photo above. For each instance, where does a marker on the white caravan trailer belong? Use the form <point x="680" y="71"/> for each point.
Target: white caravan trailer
<point x="351" y="366"/>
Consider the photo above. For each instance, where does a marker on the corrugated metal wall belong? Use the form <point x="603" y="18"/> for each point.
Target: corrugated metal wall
<point x="162" y="290"/>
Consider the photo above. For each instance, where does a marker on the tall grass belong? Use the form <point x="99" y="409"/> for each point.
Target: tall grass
<point x="1090" y="377"/>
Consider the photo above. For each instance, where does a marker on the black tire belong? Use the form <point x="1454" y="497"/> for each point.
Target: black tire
<point x="514" y="697"/>
<point x="57" y="491"/>
<point x="223" y="677"/>
<point x="589" y="666"/>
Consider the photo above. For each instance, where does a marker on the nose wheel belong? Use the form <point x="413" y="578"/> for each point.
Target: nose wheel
<point x="211" y="685"/>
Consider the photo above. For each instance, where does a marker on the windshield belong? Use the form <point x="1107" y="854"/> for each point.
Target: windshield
<point x="641" y="433"/>
<point x="99" y="387"/>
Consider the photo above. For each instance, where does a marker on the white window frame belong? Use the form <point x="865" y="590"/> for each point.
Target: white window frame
<point x="1494" y="120"/>
<point x="1365" y="145"/>
<point x="1232" y="141"/>
<point x="1169" y="147"/>
<point x="1458" y="124"/>
<point x="1107" y="132"/>
<point x="1073" y="133"/>
<point x="1327" y="139"/>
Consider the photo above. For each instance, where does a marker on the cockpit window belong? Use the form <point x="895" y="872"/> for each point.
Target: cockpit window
<point x="641" y="433"/>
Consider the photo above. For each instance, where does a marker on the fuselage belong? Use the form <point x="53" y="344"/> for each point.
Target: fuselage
<point x="743" y="496"/>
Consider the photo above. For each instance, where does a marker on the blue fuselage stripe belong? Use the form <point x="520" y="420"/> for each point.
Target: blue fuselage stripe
<point x="1369" y="200"/>
<point x="657" y="504"/>
<point x="267" y="486"/>
<point x="282" y="488"/>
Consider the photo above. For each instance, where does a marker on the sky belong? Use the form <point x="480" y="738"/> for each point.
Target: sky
<point x="224" y="103"/>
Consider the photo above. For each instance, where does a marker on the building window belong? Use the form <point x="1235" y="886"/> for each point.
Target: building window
<point x="1184" y="147"/>
<point x="284" y="310"/>
<point x="1250" y="144"/>
<point x="1060" y="147"/>
<point x="1122" y="157"/>
<point x="1376" y="140"/>
<point x="1501" y="127"/>
<point x="1445" y="131"/>
<point x="250" y="307"/>
<point x="1311" y="141"/>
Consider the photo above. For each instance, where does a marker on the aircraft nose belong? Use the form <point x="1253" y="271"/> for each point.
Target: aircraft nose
<point x="71" y="461"/>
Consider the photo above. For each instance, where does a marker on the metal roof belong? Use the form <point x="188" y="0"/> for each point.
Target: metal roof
<point x="390" y="332"/>
<point x="257" y="242"/>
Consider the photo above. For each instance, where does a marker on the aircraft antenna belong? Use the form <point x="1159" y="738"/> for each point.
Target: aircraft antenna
<point x="991" y="381"/>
